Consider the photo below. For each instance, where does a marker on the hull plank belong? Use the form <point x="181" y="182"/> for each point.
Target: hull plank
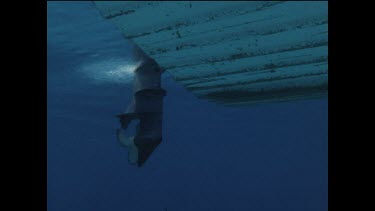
<point x="234" y="53"/>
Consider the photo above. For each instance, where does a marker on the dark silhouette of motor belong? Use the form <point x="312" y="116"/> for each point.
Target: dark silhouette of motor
<point x="147" y="107"/>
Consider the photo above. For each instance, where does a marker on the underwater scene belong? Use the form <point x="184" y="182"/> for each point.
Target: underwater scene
<point x="187" y="106"/>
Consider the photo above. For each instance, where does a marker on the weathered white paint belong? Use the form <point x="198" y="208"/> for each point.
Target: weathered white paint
<point x="251" y="78"/>
<point x="261" y="45"/>
<point x="233" y="52"/>
<point x="252" y="64"/>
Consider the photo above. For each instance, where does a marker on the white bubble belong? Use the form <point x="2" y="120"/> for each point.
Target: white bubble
<point x="109" y="71"/>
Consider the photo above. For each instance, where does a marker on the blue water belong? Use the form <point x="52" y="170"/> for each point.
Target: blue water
<point x="267" y="157"/>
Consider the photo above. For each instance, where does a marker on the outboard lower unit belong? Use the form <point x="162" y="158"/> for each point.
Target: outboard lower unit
<point x="147" y="107"/>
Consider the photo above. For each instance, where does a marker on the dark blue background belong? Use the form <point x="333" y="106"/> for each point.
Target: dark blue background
<point x="267" y="157"/>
